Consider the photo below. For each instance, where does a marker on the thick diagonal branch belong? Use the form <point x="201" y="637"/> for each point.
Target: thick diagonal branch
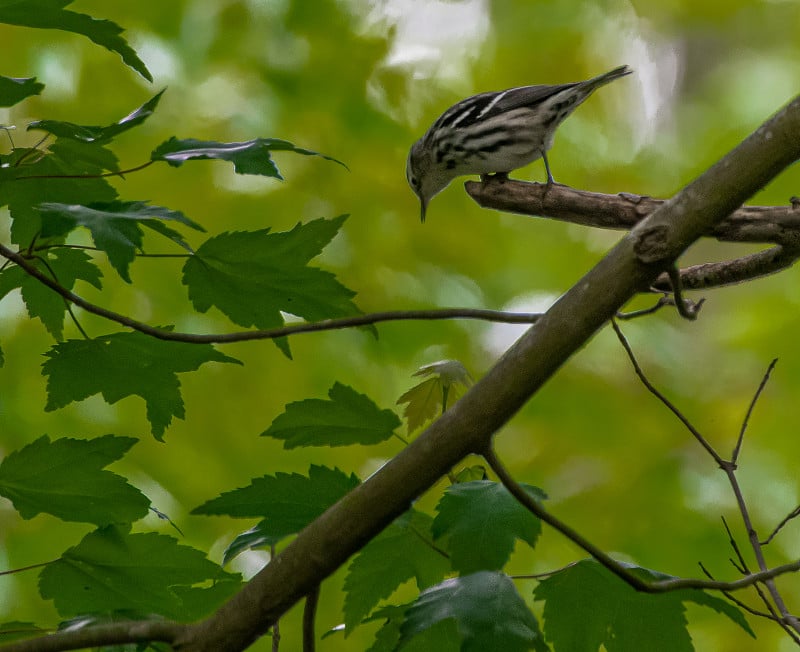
<point x="632" y="265"/>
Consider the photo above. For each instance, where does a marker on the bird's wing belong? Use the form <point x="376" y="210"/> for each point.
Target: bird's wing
<point x="487" y="105"/>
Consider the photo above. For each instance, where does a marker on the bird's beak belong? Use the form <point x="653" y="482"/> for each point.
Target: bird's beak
<point x="423" y="208"/>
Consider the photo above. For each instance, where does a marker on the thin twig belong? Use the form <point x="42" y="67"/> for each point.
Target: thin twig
<point x="791" y="515"/>
<point x="67" y="304"/>
<point x="309" y="615"/>
<point x="669" y="405"/>
<point x="272" y="333"/>
<point x="26" y="568"/>
<point x="664" y="300"/>
<point x="616" y="568"/>
<point x="120" y="173"/>
<point x="737" y="449"/>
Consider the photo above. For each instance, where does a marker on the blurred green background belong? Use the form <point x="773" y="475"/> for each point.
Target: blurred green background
<point x="361" y="80"/>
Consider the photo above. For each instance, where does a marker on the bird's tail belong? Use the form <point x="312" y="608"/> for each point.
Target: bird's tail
<point x="606" y="77"/>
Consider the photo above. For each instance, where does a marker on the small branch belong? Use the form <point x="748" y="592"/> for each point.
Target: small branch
<point x="272" y="333"/>
<point x="730" y="272"/>
<point x="664" y="400"/>
<point x="665" y="300"/>
<point x="777" y="224"/>
<point x="26" y="568"/>
<point x="622" y="572"/>
<point x="737" y="449"/>
<point x="729" y="467"/>
<point x="121" y="173"/>
<point x="309" y="615"/>
<point x="791" y="515"/>
<point x="135" y="631"/>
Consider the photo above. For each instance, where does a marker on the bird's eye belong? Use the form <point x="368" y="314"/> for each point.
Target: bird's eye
<point x="413" y="181"/>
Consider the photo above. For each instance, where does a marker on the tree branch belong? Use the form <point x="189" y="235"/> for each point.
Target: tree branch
<point x="613" y="566"/>
<point x="271" y="333"/>
<point x="133" y="631"/>
<point x="623" y="211"/>
<point x="630" y="267"/>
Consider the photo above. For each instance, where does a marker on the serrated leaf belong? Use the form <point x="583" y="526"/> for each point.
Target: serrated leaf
<point x="287" y="501"/>
<point x="14" y="90"/>
<point x="249" y="157"/>
<point x="40" y="179"/>
<point x="47" y="14"/>
<point x="94" y="134"/>
<point x="442" y="637"/>
<point x="66" y="266"/>
<point x="427" y="400"/>
<point x="65" y="478"/>
<point x="403" y="551"/>
<point x="255" y="537"/>
<point x="489" y="613"/>
<point x="125" y="364"/>
<point x="230" y="269"/>
<point x="347" y="418"/>
<point x="586" y="607"/>
<point x="114" y="226"/>
<point x="482" y="522"/>
<point x="89" y="155"/>
<point x="111" y="569"/>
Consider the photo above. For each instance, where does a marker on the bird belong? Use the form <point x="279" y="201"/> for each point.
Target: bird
<point x="494" y="133"/>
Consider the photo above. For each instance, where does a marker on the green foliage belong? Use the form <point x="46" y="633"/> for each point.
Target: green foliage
<point x="287" y="502"/>
<point x="489" y="613"/>
<point x="99" y="135"/>
<point x="65" y="478"/>
<point x="251" y="157"/>
<point x="401" y="552"/>
<point x="481" y="521"/>
<point x="230" y="268"/>
<point x="14" y="90"/>
<point x="115" y="227"/>
<point x="50" y="14"/>
<point x="125" y="364"/>
<point x="615" y="615"/>
<point x="114" y="570"/>
<point x="426" y="400"/>
<point x="347" y="418"/>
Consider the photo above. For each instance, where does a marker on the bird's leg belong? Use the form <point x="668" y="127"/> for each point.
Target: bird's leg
<point x="550" y="179"/>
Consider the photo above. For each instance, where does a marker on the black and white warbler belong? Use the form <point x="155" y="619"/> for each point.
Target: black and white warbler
<point x="495" y="133"/>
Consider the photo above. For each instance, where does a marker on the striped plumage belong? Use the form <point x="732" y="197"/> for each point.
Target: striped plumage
<point x="495" y="132"/>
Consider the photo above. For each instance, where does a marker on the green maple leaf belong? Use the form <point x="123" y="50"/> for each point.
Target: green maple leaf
<point x="94" y="134"/>
<point x="111" y="570"/>
<point x="433" y="395"/>
<point x="398" y="554"/>
<point x="13" y="90"/>
<point x="249" y="157"/>
<point x="66" y="478"/>
<point x="346" y="418"/>
<point x="50" y="14"/>
<point x="489" y="613"/>
<point x="125" y="364"/>
<point x="586" y="607"/>
<point x="230" y="269"/>
<point x="115" y="226"/>
<point x="481" y="521"/>
<point x="286" y="501"/>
